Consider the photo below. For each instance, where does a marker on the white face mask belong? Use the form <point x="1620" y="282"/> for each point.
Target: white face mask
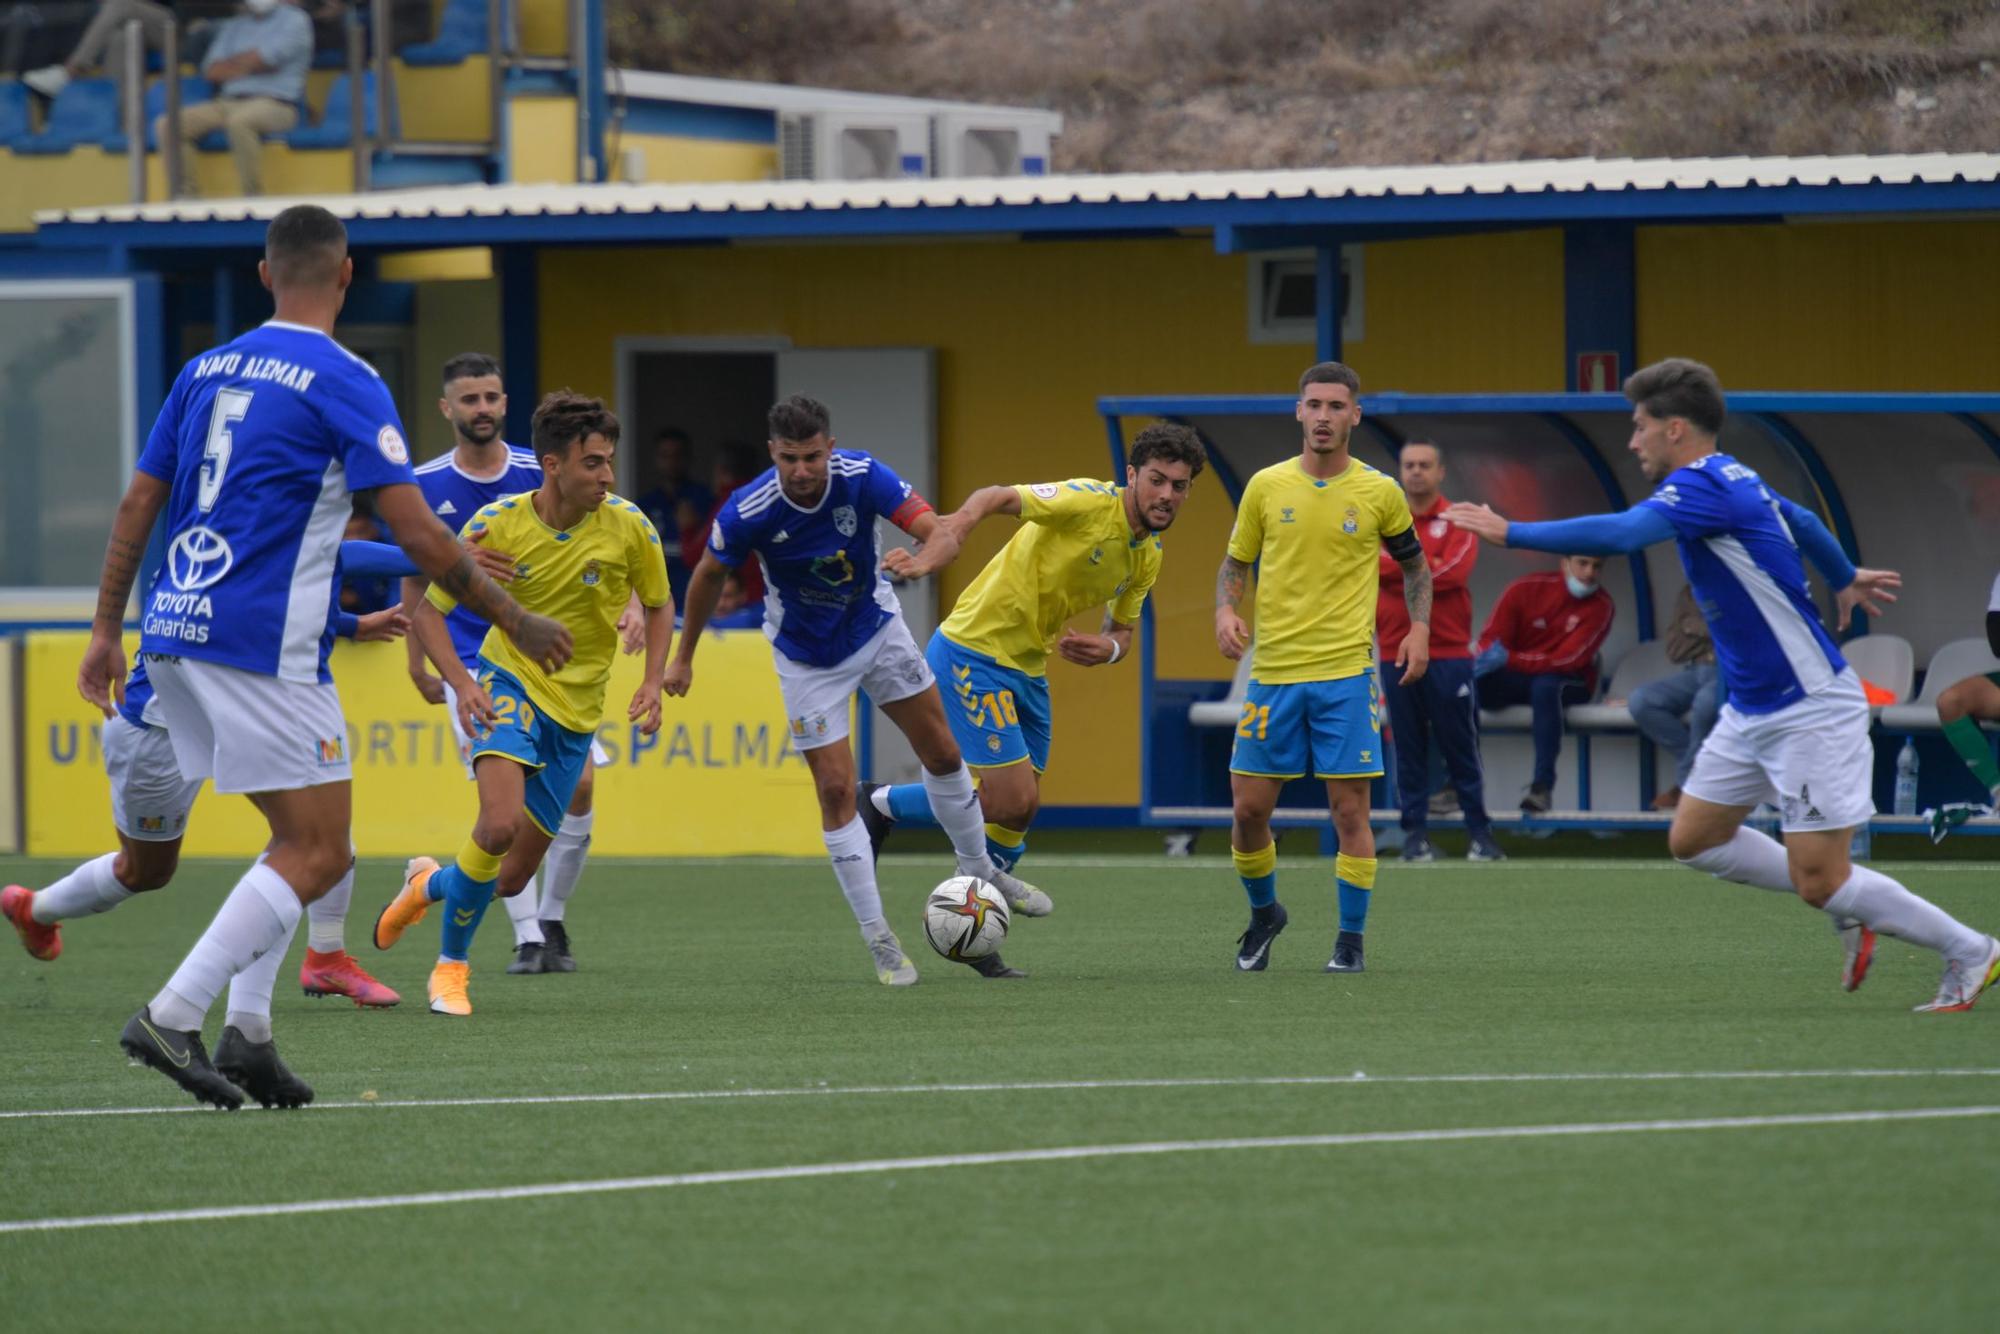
<point x="260" y="7"/>
<point x="1578" y="588"/>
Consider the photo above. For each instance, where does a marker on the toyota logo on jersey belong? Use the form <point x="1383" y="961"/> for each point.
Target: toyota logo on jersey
<point x="199" y="558"/>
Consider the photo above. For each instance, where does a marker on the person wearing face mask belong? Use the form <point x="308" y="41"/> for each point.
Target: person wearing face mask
<point x="1539" y="648"/>
<point x="258" y="63"/>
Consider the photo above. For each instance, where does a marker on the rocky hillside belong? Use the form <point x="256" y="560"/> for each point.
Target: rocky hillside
<point x="1192" y="84"/>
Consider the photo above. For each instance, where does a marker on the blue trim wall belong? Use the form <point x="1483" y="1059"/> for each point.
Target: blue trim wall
<point x="1397" y="213"/>
<point x="520" y="337"/>
<point x="1600" y="295"/>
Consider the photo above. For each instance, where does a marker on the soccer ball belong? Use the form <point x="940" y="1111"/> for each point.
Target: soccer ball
<point x="965" y="918"/>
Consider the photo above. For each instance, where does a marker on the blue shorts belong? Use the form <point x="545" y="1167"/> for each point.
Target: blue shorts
<point x="999" y="716"/>
<point x="553" y="755"/>
<point x="1330" y="729"/>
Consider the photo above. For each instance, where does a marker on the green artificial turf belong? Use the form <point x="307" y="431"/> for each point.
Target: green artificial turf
<point x="720" y="979"/>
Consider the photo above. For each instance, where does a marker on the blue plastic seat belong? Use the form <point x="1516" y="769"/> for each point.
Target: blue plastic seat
<point x="461" y="33"/>
<point x="86" y="112"/>
<point x="14" y="122"/>
<point x="194" y="89"/>
<point x="336" y="123"/>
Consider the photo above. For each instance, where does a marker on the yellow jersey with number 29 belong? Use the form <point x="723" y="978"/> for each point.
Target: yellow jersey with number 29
<point x="1314" y="543"/>
<point x="582" y="577"/>
<point x="1074" y="551"/>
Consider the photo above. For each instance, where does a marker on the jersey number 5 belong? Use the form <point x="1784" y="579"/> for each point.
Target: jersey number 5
<point x="231" y="406"/>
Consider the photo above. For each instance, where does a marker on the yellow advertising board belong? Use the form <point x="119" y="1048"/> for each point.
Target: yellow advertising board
<point x="720" y="778"/>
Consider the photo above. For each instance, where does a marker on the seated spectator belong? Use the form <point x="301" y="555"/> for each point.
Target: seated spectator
<point x="1539" y="648"/>
<point x="1676" y="711"/>
<point x="103" y="44"/>
<point x="734" y="611"/>
<point x="676" y="503"/>
<point x="258" y="62"/>
<point x="362" y="596"/>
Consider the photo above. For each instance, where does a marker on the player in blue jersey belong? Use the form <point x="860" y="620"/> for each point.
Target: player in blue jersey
<point x="480" y="469"/>
<point x="254" y="458"/>
<point x="835" y="627"/>
<point x="1795" y="728"/>
<point x="150" y="804"/>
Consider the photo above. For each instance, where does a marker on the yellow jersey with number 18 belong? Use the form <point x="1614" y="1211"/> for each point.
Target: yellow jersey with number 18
<point x="582" y="577"/>
<point x="1314" y="543"/>
<point x="1074" y="551"/>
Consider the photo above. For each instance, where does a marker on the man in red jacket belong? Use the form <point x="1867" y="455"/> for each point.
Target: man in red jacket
<point x="1540" y="648"/>
<point x="1439" y="705"/>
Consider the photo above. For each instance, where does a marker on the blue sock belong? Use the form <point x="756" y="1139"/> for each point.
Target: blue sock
<point x="1259" y="873"/>
<point x="1262" y="889"/>
<point x="465" y="902"/>
<point x="1353" y="907"/>
<point x="1003" y="856"/>
<point x="910" y="804"/>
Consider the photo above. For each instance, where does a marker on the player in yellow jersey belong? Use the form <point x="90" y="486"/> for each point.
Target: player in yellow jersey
<point x="1311" y="526"/>
<point x="1084" y="544"/>
<point x="579" y="552"/>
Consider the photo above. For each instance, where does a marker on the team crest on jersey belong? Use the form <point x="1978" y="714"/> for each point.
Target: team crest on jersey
<point x="591" y="574"/>
<point x="846" y="520"/>
<point x="1285" y="515"/>
<point x="1096" y="555"/>
<point x="834" y="570"/>
<point x="1350" y="523"/>
<point x="1438" y="527"/>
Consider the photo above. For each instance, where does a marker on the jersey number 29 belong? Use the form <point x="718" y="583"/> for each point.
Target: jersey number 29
<point x="231" y="406"/>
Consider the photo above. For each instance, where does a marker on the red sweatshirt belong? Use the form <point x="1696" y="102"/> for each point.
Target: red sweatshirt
<point x="1451" y="553"/>
<point x="1548" y="632"/>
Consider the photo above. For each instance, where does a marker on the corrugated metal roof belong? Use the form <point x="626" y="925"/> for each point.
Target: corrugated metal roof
<point x="1550" y="180"/>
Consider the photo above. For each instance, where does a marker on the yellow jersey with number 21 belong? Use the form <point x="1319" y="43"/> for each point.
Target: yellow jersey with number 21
<point x="1314" y="543"/>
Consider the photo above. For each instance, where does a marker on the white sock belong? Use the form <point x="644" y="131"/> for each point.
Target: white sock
<point x="1750" y="858"/>
<point x="880" y="798"/>
<point x="326" y="917"/>
<point x="260" y="913"/>
<point x="854" y="867"/>
<point x="1876" y="901"/>
<point x="564" y="864"/>
<point x="521" y="912"/>
<point x="249" y="1011"/>
<point x="955" y="802"/>
<point x="90" y="888"/>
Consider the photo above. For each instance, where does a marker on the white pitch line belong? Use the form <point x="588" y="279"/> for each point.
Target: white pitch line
<point x="994" y="1159"/>
<point x="1056" y="1086"/>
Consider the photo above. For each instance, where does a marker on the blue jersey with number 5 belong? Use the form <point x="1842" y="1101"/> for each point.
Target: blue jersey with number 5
<point x="263" y="441"/>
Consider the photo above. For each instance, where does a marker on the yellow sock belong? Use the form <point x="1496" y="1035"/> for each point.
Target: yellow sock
<point x="1253" y="865"/>
<point x="477" y="863"/>
<point x="1356" y="871"/>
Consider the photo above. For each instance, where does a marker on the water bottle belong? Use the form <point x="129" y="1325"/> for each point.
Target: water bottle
<point x="1906" y="778"/>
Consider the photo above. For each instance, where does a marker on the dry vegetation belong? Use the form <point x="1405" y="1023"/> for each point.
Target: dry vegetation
<point x="1185" y="84"/>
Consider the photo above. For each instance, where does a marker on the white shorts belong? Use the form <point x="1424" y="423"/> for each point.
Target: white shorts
<point x="889" y="667"/>
<point x="250" y="733"/>
<point x="1812" y="759"/>
<point x="599" y="756"/>
<point x="150" y="800"/>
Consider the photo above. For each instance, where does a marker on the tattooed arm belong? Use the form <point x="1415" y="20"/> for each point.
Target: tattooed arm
<point x="1414" y="657"/>
<point x="453" y="569"/>
<point x="1231" y="635"/>
<point x="101" y="677"/>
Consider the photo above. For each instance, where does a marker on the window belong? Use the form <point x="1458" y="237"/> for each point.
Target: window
<point x="1283" y="304"/>
<point x="67" y="429"/>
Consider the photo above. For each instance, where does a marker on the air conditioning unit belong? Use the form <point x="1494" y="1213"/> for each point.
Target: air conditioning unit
<point x="853" y="146"/>
<point x="980" y="143"/>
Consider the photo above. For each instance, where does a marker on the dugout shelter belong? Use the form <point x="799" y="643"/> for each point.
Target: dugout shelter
<point x="985" y="330"/>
